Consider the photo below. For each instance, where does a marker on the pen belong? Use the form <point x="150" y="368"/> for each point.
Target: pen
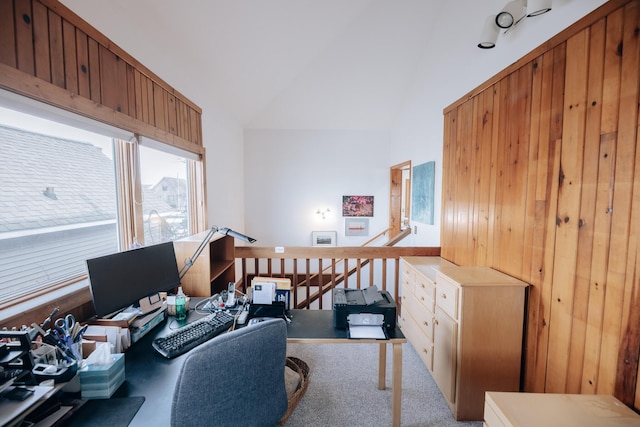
<point x="48" y="319"/>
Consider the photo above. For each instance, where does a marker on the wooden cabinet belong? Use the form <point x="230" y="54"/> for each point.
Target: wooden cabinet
<point x="556" y="410"/>
<point x="477" y="319"/>
<point x="212" y="271"/>
<point x="418" y="303"/>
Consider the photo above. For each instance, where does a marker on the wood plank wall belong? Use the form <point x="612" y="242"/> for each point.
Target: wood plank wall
<point x="50" y="54"/>
<point x="539" y="169"/>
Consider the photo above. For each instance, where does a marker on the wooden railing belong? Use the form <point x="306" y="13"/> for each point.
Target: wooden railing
<point x="315" y="271"/>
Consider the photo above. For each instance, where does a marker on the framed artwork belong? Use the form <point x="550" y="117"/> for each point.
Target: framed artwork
<point x="357" y="205"/>
<point x="323" y="238"/>
<point x="356" y="227"/>
<point x="422" y="199"/>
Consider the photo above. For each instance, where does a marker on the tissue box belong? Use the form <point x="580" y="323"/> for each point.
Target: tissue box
<point x="101" y="381"/>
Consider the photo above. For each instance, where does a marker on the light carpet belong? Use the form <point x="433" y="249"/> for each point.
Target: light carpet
<point x="343" y="389"/>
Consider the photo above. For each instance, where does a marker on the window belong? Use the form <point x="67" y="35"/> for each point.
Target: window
<point x="165" y="198"/>
<point x="64" y="197"/>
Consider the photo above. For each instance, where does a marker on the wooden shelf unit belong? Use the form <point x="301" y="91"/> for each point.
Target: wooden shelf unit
<point x="212" y="271"/>
<point x="467" y="325"/>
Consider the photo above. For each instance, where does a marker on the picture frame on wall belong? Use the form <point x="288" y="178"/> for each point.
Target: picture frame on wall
<point x="324" y="238"/>
<point x="357" y="206"/>
<point x="356" y="226"/>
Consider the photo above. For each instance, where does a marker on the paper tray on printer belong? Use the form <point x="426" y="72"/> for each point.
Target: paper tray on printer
<point x="366" y="326"/>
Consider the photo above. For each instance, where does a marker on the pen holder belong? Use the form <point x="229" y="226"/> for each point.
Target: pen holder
<point x="76" y="351"/>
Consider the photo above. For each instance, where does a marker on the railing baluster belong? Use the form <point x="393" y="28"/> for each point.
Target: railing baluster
<point x="307" y="280"/>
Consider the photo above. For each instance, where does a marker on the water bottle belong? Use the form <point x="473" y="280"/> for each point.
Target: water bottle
<point x="181" y="305"/>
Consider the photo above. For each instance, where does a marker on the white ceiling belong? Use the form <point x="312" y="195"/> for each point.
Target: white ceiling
<point x="287" y="64"/>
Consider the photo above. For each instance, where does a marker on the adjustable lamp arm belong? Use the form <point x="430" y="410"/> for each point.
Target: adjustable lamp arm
<point x="226" y="231"/>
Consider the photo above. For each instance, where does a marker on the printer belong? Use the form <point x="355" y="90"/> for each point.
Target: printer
<point x="360" y="301"/>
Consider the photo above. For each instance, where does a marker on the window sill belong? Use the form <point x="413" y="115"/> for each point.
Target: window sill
<point x="68" y="299"/>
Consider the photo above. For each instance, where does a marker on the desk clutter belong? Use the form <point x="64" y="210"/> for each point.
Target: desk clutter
<point x="40" y="362"/>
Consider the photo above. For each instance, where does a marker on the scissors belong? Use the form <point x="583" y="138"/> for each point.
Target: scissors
<point x="66" y="325"/>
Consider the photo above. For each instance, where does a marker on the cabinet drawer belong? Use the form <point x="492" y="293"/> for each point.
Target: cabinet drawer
<point x="491" y="417"/>
<point x="408" y="271"/>
<point x="422" y="345"/>
<point x="447" y="296"/>
<point x="425" y="291"/>
<point x="408" y="284"/>
<point x="422" y="316"/>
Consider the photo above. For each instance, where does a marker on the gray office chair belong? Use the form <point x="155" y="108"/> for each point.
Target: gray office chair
<point x="235" y="379"/>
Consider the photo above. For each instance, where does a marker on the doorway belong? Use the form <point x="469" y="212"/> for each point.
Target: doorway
<point x="399" y="198"/>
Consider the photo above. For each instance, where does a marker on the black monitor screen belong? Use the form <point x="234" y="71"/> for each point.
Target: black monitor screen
<point x="122" y="279"/>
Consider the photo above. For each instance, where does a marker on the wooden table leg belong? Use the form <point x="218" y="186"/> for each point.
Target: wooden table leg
<point x="396" y="396"/>
<point x="382" y="367"/>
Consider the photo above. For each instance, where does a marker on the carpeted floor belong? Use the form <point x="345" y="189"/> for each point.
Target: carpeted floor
<point x="343" y="389"/>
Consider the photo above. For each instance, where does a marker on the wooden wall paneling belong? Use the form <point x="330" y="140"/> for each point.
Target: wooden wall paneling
<point x="172" y="114"/>
<point x="82" y="54"/>
<point x="140" y="96"/>
<point x="159" y="107"/>
<point x="464" y="182"/>
<point x="613" y="94"/>
<point x="56" y="53"/>
<point x="586" y="228"/>
<point x="94" y="71"/>
<point x="446" y="216"/>
<point x="554" y="82"/>
<point x="183" y="120"/>
<point x="518" y="171"/>
<point x="42" y="58"/>
<point x="498" y="106"/>
<point x="484" y="122"/>
<point x="7" y="34"/>
<point x="113" y="87"/>
<point x="600" y="220"/>
<point x="195" y="122"/>
<point x="501" y="235"/>
<point x="627" y="361"/>
<point x="568" y="217"/>
<point x="70" y="56"/>
<point x="131" y="89"/>
<point x="24" y="37"/>
<point x="547" y="166"/>
<point x="531" y="250"/>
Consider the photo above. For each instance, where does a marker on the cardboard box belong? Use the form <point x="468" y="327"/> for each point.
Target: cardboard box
<point x="101" y="381"/>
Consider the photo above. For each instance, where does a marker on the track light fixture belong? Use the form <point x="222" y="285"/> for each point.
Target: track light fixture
<point x="511" y="15"/>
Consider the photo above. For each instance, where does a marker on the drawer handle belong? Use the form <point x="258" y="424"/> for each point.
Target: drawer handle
<point x="425" y="351"/>
<point x="426" y="323"/>
<point x="444" y="296"/>
<point x="422" y="285"/>
<point x="422" y="298"/>
<point x="436" y="322"/>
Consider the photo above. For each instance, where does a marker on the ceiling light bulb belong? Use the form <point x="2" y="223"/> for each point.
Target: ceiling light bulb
<point x="511" y="14"/>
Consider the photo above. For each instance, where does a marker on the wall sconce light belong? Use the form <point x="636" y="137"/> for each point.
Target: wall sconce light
<point x="511" y="15"/>
<point x="323" y="212"/>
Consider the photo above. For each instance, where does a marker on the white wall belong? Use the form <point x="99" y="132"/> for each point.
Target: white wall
<point x="289" y="174"/>
<point x="452" y="68"/>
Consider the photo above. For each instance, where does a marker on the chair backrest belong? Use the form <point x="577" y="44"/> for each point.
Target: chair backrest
<point x="235" y="379"/>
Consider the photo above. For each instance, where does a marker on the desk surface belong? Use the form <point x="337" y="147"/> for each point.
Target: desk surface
<point x="150" y="375"/>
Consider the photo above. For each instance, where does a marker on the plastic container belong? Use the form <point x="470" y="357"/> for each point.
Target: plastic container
<point x="181" y="305"/>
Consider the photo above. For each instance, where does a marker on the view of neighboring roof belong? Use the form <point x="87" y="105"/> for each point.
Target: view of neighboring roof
<point x="51" y="182"/>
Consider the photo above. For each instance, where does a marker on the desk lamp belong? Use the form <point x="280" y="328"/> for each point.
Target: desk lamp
<point x="222" y="230"/>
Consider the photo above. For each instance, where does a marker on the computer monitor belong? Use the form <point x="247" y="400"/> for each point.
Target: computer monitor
<point x="122" y="279"/>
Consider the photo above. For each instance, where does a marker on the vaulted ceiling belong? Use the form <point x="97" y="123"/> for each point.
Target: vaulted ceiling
<point x="277" y="63"/>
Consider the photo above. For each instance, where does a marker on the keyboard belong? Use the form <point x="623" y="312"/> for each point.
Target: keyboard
<point x="181" y="340"/>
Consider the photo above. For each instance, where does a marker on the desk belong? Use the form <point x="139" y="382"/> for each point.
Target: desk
<point x="154" y="377"/>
